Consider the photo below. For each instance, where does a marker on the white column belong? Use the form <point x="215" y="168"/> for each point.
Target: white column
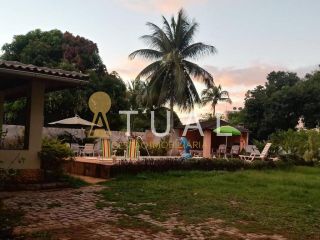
<point x="1" y="109"/>
<point x="35" y="123"/>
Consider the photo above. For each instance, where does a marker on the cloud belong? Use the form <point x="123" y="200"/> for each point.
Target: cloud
<point x="163" y="6"/>
<point x="129" y="69"/>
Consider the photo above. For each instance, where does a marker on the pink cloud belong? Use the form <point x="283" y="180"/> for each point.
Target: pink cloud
<point x="129" y="69"/>
<point x="163" y="6"/>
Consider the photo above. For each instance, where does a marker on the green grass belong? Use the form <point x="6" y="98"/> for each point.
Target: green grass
<point x="74" y="182"/>
<point x="8" y="220"/>
<point x="271" y="201"/>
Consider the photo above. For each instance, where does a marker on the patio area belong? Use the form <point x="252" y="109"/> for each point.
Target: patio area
<point x="207" y="145"/>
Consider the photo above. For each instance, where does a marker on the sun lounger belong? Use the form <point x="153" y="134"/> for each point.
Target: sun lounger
<point x="262" y="156"/>
<point x="234" y="151"/>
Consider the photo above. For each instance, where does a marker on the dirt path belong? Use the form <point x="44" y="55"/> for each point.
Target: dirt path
<point x="73" y="214"/>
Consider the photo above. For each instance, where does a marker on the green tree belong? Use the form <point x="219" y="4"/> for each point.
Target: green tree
<point x="169" y="75"/>
<point x="275" y="106"/>
<point x="66" y="51"/>
<point x="214" y="94"/>
<point x="138" y="100"/>
<point x="236" y="117"/>
<point x="309" y="96"/>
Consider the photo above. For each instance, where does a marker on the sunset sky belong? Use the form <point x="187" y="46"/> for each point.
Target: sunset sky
<point x="253" y="37"/>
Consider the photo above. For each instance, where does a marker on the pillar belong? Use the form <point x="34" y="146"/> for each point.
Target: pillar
<point x="33" y="131"/>
<point x="207" y="144"/>
<point x="1" y="109"/>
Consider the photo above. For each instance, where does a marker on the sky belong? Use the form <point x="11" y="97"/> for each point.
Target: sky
<point x="253" y="37"/>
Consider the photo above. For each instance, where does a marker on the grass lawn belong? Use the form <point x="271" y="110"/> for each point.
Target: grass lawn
<point x="286" y="202"/>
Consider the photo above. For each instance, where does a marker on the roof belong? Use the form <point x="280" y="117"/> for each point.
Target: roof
<point x="14" y="78"/>
<point x="211" y="124"/>
<point x="13" y="65"/>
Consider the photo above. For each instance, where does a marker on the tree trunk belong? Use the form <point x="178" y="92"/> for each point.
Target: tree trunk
<point x="171" y="114"/>
<point x="214" y="110"/>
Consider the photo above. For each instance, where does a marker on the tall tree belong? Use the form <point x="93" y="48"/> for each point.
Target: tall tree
<point x="213" y="95"/>
<point x="275" y="106"/>
<point x="66" y="51"/>
<point x="169" y="76"/>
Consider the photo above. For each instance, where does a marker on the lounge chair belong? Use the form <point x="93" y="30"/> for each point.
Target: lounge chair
<point x="105" y="145"/>
<point x="132" y="152"/>
<point x="88" y="149"/>
<point x="222" y="150"/>
<point x="234" y="151"/>
<point x="262" y="156"/>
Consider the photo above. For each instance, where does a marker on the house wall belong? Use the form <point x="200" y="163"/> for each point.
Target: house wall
<point x="27" y="159"/>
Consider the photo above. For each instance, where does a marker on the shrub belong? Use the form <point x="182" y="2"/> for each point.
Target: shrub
<point x="52" y="154"/>
<point x="303" y="144"/>
<point x="120" y="148"/>
<point x="164" y="165"/>
<point x="9" y="218"/>
<point x="9" y="174"/>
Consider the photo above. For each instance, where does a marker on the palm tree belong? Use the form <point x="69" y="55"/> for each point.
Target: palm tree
<point x="213" y="95"/>
<point x="169" y="76"/>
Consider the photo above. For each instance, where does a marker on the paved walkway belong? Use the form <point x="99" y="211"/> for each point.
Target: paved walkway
<point x="73" y="214"/>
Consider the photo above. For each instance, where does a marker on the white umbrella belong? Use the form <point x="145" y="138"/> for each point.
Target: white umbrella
<point x="73" y="122"/>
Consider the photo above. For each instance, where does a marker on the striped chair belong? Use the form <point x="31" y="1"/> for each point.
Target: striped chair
<point x="132" y="152"/>
<point x="106" y="148"/>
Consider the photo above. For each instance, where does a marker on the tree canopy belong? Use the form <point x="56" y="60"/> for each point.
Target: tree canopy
<point x="171" y="48"/>
<point x="280" y="104"/>
<point x="64" y="50"/>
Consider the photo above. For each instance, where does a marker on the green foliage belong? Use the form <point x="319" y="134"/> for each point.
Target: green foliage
<point x="235" y="118"/>
<point x="52" y="154"/>
<point x="66" y="51"/>
<point x="169" y="75"/>
<point x="73" y="181"/>
<point x="304" y="144"/>
<point x="160" y="149"/>
<point x="54" y="49"/>
<point x="9" y="218"/>
<point x="164" y="165"/>
<point x="214" y="94"/>
<point x="8" y="174"/>
<point x="281" y="103"/>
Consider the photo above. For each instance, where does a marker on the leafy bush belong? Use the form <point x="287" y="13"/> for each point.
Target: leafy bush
<point x="9" y="174"/>
<point x="160" y="149"/>
<point x="9" y="218"/>
<point x="121" y="147"/>
<point x="304" y="144"/>
<point x="163" y="165"/>
<point x="52" y="155"/>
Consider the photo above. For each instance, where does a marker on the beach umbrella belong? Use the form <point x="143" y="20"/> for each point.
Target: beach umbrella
<point x="74" y="122"/>
<point x="228" y="130"/>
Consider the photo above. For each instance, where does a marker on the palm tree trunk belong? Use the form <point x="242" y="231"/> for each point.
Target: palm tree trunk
<point x="171" y="114"/>
<point x="214" y="110"/>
